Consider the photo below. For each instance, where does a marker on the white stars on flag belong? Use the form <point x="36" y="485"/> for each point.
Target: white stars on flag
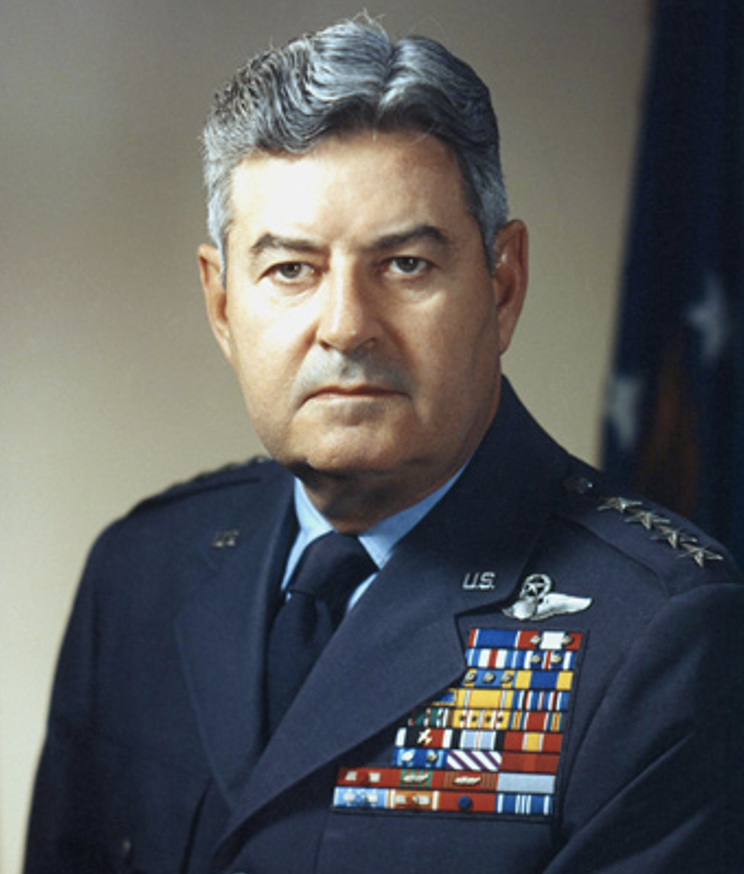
<point x="710" y="317"/>
<point x="622" y="412"/>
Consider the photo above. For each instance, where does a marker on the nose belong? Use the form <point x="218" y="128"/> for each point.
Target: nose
<point x="347" y="319"/>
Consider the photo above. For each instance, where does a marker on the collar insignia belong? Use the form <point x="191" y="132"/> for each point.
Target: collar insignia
<point x="225" y="539"/>
<point x="538" y="601"/>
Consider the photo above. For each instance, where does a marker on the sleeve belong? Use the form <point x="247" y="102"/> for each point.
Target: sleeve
<point x="64" y="834"/>
<point x="657" y="782"/>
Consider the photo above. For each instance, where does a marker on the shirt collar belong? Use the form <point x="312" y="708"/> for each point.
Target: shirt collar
<point x="379" y="540"/>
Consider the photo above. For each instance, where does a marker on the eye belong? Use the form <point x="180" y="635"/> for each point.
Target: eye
<point x="290" y="270"/>
<point x="408" y="265"/>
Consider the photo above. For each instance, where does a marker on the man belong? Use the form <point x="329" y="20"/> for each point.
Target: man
<point x="528" y="671"/>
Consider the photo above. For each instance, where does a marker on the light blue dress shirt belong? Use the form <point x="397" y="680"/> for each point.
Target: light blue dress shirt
<point x="379" y="540"/>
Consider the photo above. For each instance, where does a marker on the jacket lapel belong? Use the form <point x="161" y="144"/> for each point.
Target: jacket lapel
<point x="221" y="631"/>
<point x="400" y="644"/>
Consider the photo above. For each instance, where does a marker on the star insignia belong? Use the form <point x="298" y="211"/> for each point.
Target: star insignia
<point x="699" y="554"/>
<point x="621" y="505"/>
<point x="647" y="518"/>
<point x="675" y="537"/>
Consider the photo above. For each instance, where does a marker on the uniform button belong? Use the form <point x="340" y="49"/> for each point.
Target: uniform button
<point x="578" y="485"/>
<point x="125" y="849"/>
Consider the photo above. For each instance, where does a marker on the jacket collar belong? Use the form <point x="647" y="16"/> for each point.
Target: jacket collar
<point x="221" y="629"/>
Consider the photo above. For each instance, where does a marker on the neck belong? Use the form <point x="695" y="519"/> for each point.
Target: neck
<point x="353" y="504"/>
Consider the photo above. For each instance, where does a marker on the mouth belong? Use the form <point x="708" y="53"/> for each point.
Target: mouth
<point x="345" y="392"/>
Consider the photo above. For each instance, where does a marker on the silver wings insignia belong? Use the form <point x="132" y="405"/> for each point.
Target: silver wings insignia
<point x="538" y="601"/>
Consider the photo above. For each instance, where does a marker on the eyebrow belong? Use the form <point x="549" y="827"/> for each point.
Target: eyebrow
<point x="419" y="232"/>
<point x="268" y="242"/>
<point x="274" y="242"/>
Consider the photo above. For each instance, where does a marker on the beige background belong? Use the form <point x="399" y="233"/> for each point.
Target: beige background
<point x="111" y="385"/>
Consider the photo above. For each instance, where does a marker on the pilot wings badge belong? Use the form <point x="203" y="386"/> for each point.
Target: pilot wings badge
<point x="537" y="601"/>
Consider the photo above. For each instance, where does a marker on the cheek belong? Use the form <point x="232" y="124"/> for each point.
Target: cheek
<point x="266" y="357"/>
<point x="251" y="358"/>
<point x="466" y="346"/>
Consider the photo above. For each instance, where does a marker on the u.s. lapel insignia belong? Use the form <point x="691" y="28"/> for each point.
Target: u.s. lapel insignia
<point x="538" y="601"/>
<point x="479" y="581"/>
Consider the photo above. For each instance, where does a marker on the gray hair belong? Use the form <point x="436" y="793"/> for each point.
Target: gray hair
<point x="348" y="78"/>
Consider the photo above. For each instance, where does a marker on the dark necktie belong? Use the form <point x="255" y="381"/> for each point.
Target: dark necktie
<point x="329" y="570"/>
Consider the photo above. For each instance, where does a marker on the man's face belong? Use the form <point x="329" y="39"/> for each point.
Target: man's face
<point x="360" y="314"/>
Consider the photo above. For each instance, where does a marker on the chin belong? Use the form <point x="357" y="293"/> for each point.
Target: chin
<point x="352" y="461"/>
<point x="352" y="465"/>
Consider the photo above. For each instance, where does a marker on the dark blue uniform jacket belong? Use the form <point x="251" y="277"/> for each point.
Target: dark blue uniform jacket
<point x="546" y="677"/>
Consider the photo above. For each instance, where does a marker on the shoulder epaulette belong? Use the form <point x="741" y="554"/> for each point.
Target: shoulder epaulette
<point x="668" y="544"/>
<point x="228" y="475"/>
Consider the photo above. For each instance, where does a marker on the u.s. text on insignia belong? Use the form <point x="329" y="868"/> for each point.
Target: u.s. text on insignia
<point x="480" y="748"/>
<point x="479" y="581"/>
<point x="538" y="601"/>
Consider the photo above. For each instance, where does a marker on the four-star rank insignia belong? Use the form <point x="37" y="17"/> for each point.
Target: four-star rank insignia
<point x="661" y="529"/>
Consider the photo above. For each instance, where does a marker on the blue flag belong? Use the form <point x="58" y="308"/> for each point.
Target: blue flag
<point x="674" y="418"/>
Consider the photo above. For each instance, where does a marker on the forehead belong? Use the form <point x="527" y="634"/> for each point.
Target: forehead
<point x="351" y="183"/>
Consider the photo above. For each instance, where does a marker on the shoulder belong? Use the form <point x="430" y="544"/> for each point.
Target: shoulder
<point x="182" y="532"/>
<point x="186" y="513"/>
<point x="649" y="537"/>
<point x="219" y="484"/>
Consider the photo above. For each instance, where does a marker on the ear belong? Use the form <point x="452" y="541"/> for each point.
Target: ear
<point x="215" y="296"/>
<point x="510" y="258"/>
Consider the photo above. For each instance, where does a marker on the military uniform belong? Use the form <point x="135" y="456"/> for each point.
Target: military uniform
<point x="547" y="676"/>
